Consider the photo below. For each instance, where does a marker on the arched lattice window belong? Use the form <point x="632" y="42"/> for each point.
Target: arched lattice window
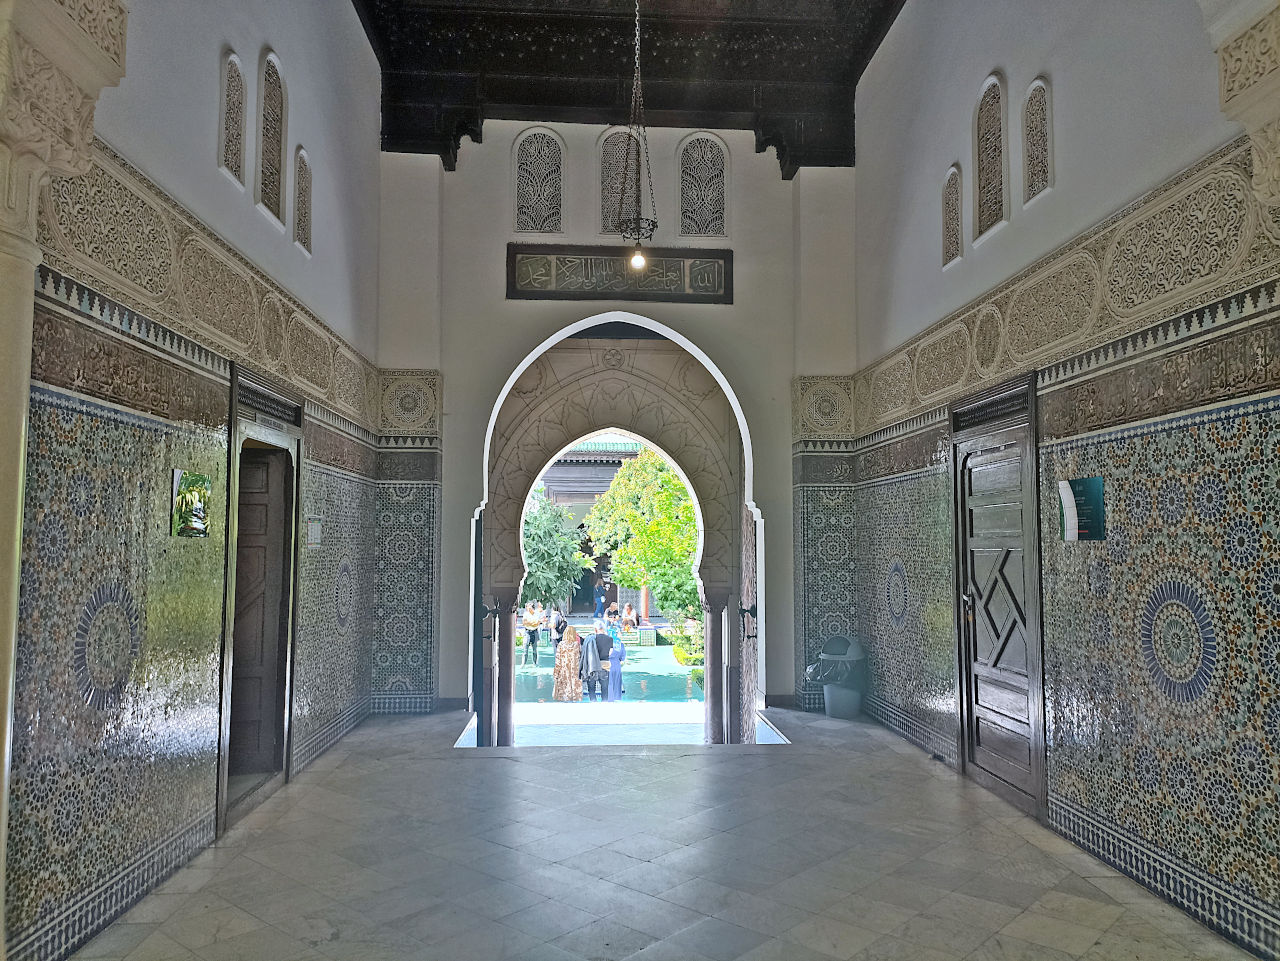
<point x="232" y="154"/>
<point x="271" y="142"/>
<point x="302" y="201"/>
<point x="702" y="175"/>
<point x="614" y="204"/>
<point x="951" y="217"/>
<point x="989" y="206"/>
<point x="1038" y="135"/>
<point x="539" y="183"/>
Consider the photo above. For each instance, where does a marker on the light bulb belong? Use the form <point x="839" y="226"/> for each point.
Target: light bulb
<point x="637" y="259"/>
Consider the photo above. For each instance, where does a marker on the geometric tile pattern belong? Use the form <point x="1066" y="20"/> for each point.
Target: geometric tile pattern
<point x="904" y="585"/>
<point x="336" y="604"/>
<point x="408" y="597"/>
<point x="824" y="589"/>
<point x="115" y="742"/>
<point x="1162" y="650"/>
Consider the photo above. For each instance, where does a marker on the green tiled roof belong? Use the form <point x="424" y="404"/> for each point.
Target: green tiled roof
<point x="605" y="447"/>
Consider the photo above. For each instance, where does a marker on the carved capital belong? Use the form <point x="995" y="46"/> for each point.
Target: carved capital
<point x="55" y="58"/>
<point x="1265" y="141"/>
<point x="44" y="112"/>
<point x="1249" y="82"/>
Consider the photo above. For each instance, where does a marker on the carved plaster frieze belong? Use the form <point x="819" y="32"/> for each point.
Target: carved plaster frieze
<point x="117" y="229"/>
<point x="1200" y="237"/>
<point x="409" y="402"/>
<point x="821" y="407"/>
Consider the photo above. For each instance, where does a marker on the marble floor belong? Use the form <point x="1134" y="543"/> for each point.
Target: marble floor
<point x="847" y="843"/>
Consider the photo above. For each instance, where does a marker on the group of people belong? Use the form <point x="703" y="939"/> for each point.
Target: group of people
<point x="590" y="665"/>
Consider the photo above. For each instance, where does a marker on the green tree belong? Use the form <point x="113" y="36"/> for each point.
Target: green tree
<point x="552" y="557"/>
<point x="645" y="522"/>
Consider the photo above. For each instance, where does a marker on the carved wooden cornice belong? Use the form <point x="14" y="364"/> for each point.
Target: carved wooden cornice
<point x="785" y="69"/>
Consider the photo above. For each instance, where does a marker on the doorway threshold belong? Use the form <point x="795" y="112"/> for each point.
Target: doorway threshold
<point x="246" y="791"/>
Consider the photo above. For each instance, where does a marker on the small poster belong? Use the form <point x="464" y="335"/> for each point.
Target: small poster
<point x="313" y="530"/>
<point x="1081" y="510"/>
<point x="190" y="510"/>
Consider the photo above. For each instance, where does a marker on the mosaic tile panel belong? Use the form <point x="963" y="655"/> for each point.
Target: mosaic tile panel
<point x="408" y="599"/>
<point x="116" y="695"/>
<point x="1162" y="660"/>
<point x="336" y="594"/>
<point x="824" y="534"/>
<point x="904" y="587"/>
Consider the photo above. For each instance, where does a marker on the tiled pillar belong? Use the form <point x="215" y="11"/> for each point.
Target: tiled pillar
<point x="53" y="70"/>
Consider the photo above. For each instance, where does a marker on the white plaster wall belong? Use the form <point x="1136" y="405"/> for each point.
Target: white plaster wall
<point x="164" y="117"/>
<point x="409" y="285"/>
<point x="1134" y="101"/>
<point x="483" y="336"/>
<point x="823" y="248"/>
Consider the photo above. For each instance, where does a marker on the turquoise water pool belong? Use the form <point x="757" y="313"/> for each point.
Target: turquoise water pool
<point x="649" y="674"/>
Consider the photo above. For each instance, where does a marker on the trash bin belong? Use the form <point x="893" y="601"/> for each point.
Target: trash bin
<point x="841" y="670"/>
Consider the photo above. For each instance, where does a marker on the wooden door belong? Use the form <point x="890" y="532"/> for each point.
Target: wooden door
<point x="257" y="668"/>
<point x="999" y="593"/>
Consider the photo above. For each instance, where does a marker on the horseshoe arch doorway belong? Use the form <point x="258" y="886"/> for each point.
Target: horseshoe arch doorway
<point x="623" y="372"/>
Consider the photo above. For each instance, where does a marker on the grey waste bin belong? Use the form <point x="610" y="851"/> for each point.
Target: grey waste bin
<point x="840" y="669"/>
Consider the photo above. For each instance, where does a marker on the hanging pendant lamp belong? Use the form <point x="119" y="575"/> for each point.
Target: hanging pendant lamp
<point x="636" y="174"/>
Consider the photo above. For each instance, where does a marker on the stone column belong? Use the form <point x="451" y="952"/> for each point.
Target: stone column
<point x="506" y="674"/>
<point x="733" y="671"/>
<point x="713" y="667"/>
<point x="1246" y="35"/>
<point x="55" y="58"/>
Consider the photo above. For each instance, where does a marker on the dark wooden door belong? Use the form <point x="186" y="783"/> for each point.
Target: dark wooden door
<point x="257" y="668"/>
<point x="999" y="592"/>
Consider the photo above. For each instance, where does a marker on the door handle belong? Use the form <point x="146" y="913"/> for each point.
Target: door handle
<point x="967" y="600"/>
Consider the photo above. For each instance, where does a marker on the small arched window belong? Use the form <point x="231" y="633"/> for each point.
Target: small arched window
<point x="990" y="206"/>
<point x="702" y="188"/>
<point x="1038" y="134"/>
<point x="619" y="195"/>
<point x="539" y="183"/>
<point x="271" y="142"/>
<point x="302" y="201"/>
<point x="231" y="156"/>
<point x="951" y="217"/>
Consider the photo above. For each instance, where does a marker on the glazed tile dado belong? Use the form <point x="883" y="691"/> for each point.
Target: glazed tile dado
<point x="110" y="793"/>
<point x="1162" y="661"/>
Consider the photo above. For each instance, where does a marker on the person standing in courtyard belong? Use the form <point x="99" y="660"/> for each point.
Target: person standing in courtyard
<point x="595" y="654"/>
<point x="531" y="621"/>
<point x="617" y="654"/>
<point x="567" y="677"/>
<point x="601" y="594"/>
<point x="556" y="625"/>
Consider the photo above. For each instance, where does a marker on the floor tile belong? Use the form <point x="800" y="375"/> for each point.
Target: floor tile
<point x="829" y="936"/>
<point x="604" y="940"/>
<point x="718" y="939"/>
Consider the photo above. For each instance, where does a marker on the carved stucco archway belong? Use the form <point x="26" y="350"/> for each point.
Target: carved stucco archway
<point x="664" y="392"/>
<point x="653" y="389"/>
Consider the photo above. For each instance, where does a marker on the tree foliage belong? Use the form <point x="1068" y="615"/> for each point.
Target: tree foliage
<point x="645" y="522"/>
<point x="552" y="557"/>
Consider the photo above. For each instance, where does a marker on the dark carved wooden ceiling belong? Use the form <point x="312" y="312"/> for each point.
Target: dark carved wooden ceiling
<point x="785" y="69"/>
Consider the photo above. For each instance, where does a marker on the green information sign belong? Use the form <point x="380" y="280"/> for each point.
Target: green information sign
<point x="1081" y="512"/>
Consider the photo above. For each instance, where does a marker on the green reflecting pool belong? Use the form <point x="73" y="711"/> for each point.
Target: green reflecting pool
<point x="649" y="674"/>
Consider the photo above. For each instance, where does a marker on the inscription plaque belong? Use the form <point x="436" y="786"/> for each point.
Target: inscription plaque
<point x="567" y="272"/>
